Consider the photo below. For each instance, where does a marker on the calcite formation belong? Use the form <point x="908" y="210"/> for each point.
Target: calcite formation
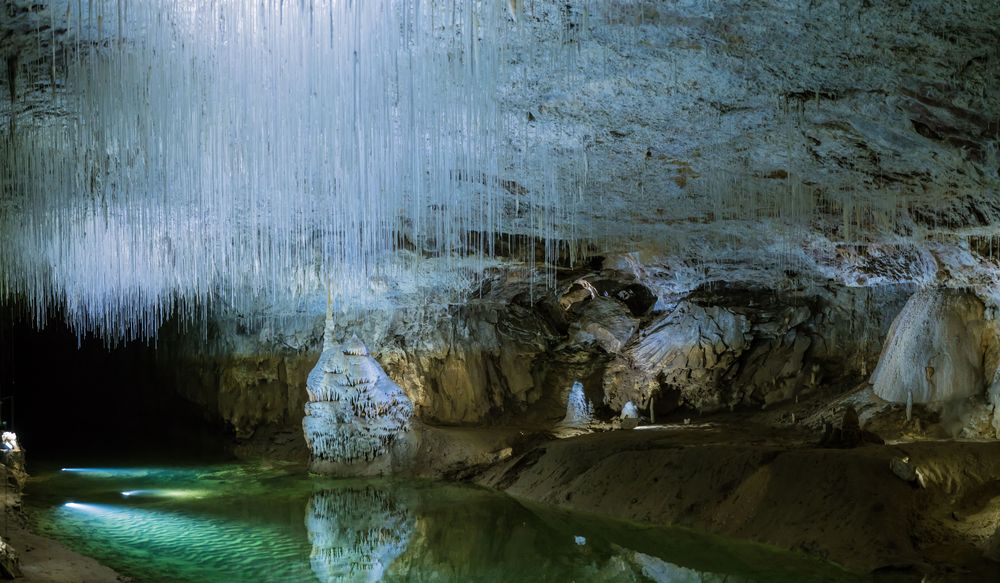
<point x="936" y="349"/>
<point x="579" y="411"/>
<point x="357" y="418"/>
<point x="753" y="142"/>
<point x="629" y="416"/>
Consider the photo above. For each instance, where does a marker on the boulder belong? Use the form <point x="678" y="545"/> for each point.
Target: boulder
<point x="10" y="563"/>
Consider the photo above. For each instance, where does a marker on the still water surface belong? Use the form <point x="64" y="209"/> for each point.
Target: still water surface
<point x="245" y="522"/>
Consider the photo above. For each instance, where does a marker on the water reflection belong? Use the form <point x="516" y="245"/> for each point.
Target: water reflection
<point x="245" y="522"/>
<point x="356" y="532"/>
<point x="396" y="532"/>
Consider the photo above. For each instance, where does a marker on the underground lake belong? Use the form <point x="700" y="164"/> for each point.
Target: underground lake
<point x="253" y="522"/>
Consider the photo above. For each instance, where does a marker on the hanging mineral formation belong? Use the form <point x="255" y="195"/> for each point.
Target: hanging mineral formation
<point x="205" y="152"/>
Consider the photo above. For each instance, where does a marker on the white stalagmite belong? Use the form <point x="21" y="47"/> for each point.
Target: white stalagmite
<point x="935" y="349"/>
<point x="354" y="346"/>
<point x="579" y="412"/>
<point x="629" y="416"/>
<point x="336" y="363"/>
<point x="357" y="420"/>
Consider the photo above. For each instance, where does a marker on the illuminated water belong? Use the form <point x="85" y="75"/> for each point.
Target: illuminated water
<point x="252" y="523"/>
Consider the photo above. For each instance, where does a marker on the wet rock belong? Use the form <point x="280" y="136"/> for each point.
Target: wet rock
<point x="903" y="469"/>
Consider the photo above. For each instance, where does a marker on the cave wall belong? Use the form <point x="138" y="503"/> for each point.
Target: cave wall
<point x="512" y="354"/>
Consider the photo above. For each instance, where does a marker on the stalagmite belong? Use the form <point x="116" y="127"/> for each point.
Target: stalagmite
<point x="629" y="416"/>
<point x="357" y="420"/>
<point x="934" y="350"/>
<point x="579" y="411"/>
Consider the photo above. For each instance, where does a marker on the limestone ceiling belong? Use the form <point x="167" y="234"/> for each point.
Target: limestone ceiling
<point x="726" y="128"/>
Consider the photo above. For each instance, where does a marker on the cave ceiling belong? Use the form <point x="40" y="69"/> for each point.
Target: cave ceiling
<point x="767" y="142"/>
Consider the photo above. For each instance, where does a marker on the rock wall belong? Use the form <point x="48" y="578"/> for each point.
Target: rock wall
<point x="737" y="347"/>
<point x="512" y="354"/>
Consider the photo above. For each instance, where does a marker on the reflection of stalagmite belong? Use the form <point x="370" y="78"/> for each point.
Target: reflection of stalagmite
<point x="356" y="533"/>
<point x="356" y="415"/>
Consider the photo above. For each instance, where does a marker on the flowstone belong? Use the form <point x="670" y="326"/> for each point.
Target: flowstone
<point x="357" y="420"/>
<point x="630" y="416"/>
<point x="935" y="350"/>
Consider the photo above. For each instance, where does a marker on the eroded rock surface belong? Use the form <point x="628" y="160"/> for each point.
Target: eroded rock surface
<point x="691" y="348"/>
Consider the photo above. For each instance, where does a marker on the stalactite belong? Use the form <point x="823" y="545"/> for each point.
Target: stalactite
<point x="224" y="152"/>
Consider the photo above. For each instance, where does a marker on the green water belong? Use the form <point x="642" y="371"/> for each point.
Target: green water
<point x="252" y="523"/>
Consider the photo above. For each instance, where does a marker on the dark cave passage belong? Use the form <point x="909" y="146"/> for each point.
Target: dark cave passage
<point x="70" y="399"/>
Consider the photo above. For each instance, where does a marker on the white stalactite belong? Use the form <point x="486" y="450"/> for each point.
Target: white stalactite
<point x="224" y="152"/>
